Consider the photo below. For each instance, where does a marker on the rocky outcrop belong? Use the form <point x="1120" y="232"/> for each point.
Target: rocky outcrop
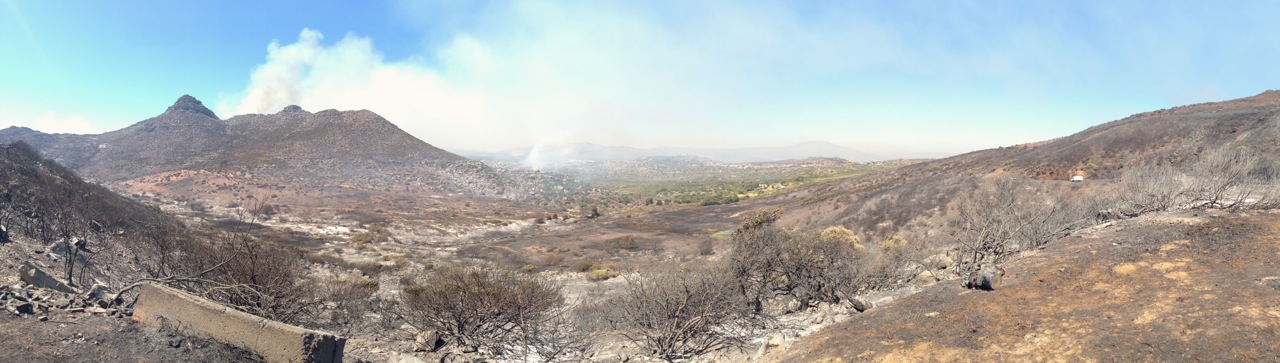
<point x="186" y="103"/>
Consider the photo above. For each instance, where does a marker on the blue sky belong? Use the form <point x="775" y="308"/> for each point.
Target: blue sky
<point x="885" y="77"/>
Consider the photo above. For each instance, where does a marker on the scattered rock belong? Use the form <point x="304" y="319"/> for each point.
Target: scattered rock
<point x="427" y="341"/>
<point x="764" y="347"/>
<point x="782" y="305"/>
<point x="776" y="340"/>
<point x="938" y="262"/>
<point x="175" y="343"/>
<point x="860" y="304"/>
<point x="1272" y="282"/>
<point x="988" y="278"/>
<point x="839" y="318"/>
<point x="404" y="358"/>
<point x="926" y="278"/>
<point x="98" y="291"/>
<point x="60" y="302"/>
<point x="22" y="309"/>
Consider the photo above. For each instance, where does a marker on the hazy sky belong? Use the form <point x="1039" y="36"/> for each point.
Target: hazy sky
<point x="891" y="76"/>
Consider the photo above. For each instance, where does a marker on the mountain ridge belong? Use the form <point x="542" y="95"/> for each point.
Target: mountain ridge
<point x="328" y="147"/>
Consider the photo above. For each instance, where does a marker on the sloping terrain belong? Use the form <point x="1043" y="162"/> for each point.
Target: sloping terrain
<point x="1182" y="286"/>
<point x="916" y="195"/>
<point x="72" y="151"/>
<point x="43" y="206"/>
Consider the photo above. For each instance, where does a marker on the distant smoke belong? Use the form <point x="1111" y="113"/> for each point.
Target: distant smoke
<point x="352" y="75"/>
<point x="526" y="73"/>
<point x="547" y="154"/>
<point x="292" y="71"/>
<point x="278" y="82"/>
<point x="644" y="74"/>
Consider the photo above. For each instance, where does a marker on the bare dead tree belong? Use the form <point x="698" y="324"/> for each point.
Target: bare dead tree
<point x="498" y="312"/>
<point x="683" y="315"/>
<point x="1003" y="217"/>
<point x="1154" y="187"/>
<point x="1229" y="178"/>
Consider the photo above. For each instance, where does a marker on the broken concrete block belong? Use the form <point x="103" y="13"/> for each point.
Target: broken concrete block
<point x="159" y="305"/>
<point x="35" y="276"/>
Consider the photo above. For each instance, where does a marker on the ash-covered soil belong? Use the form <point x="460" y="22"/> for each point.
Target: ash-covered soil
<point x="1183" y="286"/>
<point x="80" y="337"/>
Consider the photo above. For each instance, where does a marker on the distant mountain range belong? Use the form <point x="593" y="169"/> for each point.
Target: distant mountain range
<point x="551" y="156"/>
<point x="355" y="148"/>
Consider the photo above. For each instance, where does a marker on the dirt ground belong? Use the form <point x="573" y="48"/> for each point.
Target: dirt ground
<point x="96" y="338"/>
<point x="1184" y="286"/>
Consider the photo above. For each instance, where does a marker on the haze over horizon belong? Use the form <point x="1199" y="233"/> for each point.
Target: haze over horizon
<point x="884" y="78"/>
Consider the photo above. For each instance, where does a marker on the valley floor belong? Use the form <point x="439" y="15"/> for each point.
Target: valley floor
<point x="1181" y="286"/>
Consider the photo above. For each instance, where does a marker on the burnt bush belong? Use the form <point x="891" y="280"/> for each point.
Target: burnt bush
<point x="499" y="313"/>
<point x="681" y="315"/>
<point x="1002" y="217"/>
<point x="630" y="243"/>
<point x="260" y="277"/>
<point x="770" y="264"/>
<point x="350" y="299"/>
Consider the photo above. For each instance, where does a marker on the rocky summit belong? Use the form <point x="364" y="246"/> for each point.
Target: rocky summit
<point x="186" y="103"/>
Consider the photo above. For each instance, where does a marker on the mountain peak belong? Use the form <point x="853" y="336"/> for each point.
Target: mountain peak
<point x="292" y="108"/>
<point x="190" y="104"/>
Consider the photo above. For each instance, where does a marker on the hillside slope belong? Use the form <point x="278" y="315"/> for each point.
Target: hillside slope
<point x="914" y="195"/>
<point x="1181" y="286"/>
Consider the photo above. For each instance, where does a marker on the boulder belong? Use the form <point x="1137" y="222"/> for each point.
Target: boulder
<point x="925" y="278"/>
<point x="988" y="278"/>
<point x="98" y="292"/>
<point x="938" y="262"/>
<point x="427" y="341"/>
<point x="25" y="308"/>
<point x="764" y="347"/>
<point x="35" y="276"/>
<point x="782" y="305"/>
<point x="860" y="304"/>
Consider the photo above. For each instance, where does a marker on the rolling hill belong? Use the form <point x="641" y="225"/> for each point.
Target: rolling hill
<point x="913" y="195"/>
